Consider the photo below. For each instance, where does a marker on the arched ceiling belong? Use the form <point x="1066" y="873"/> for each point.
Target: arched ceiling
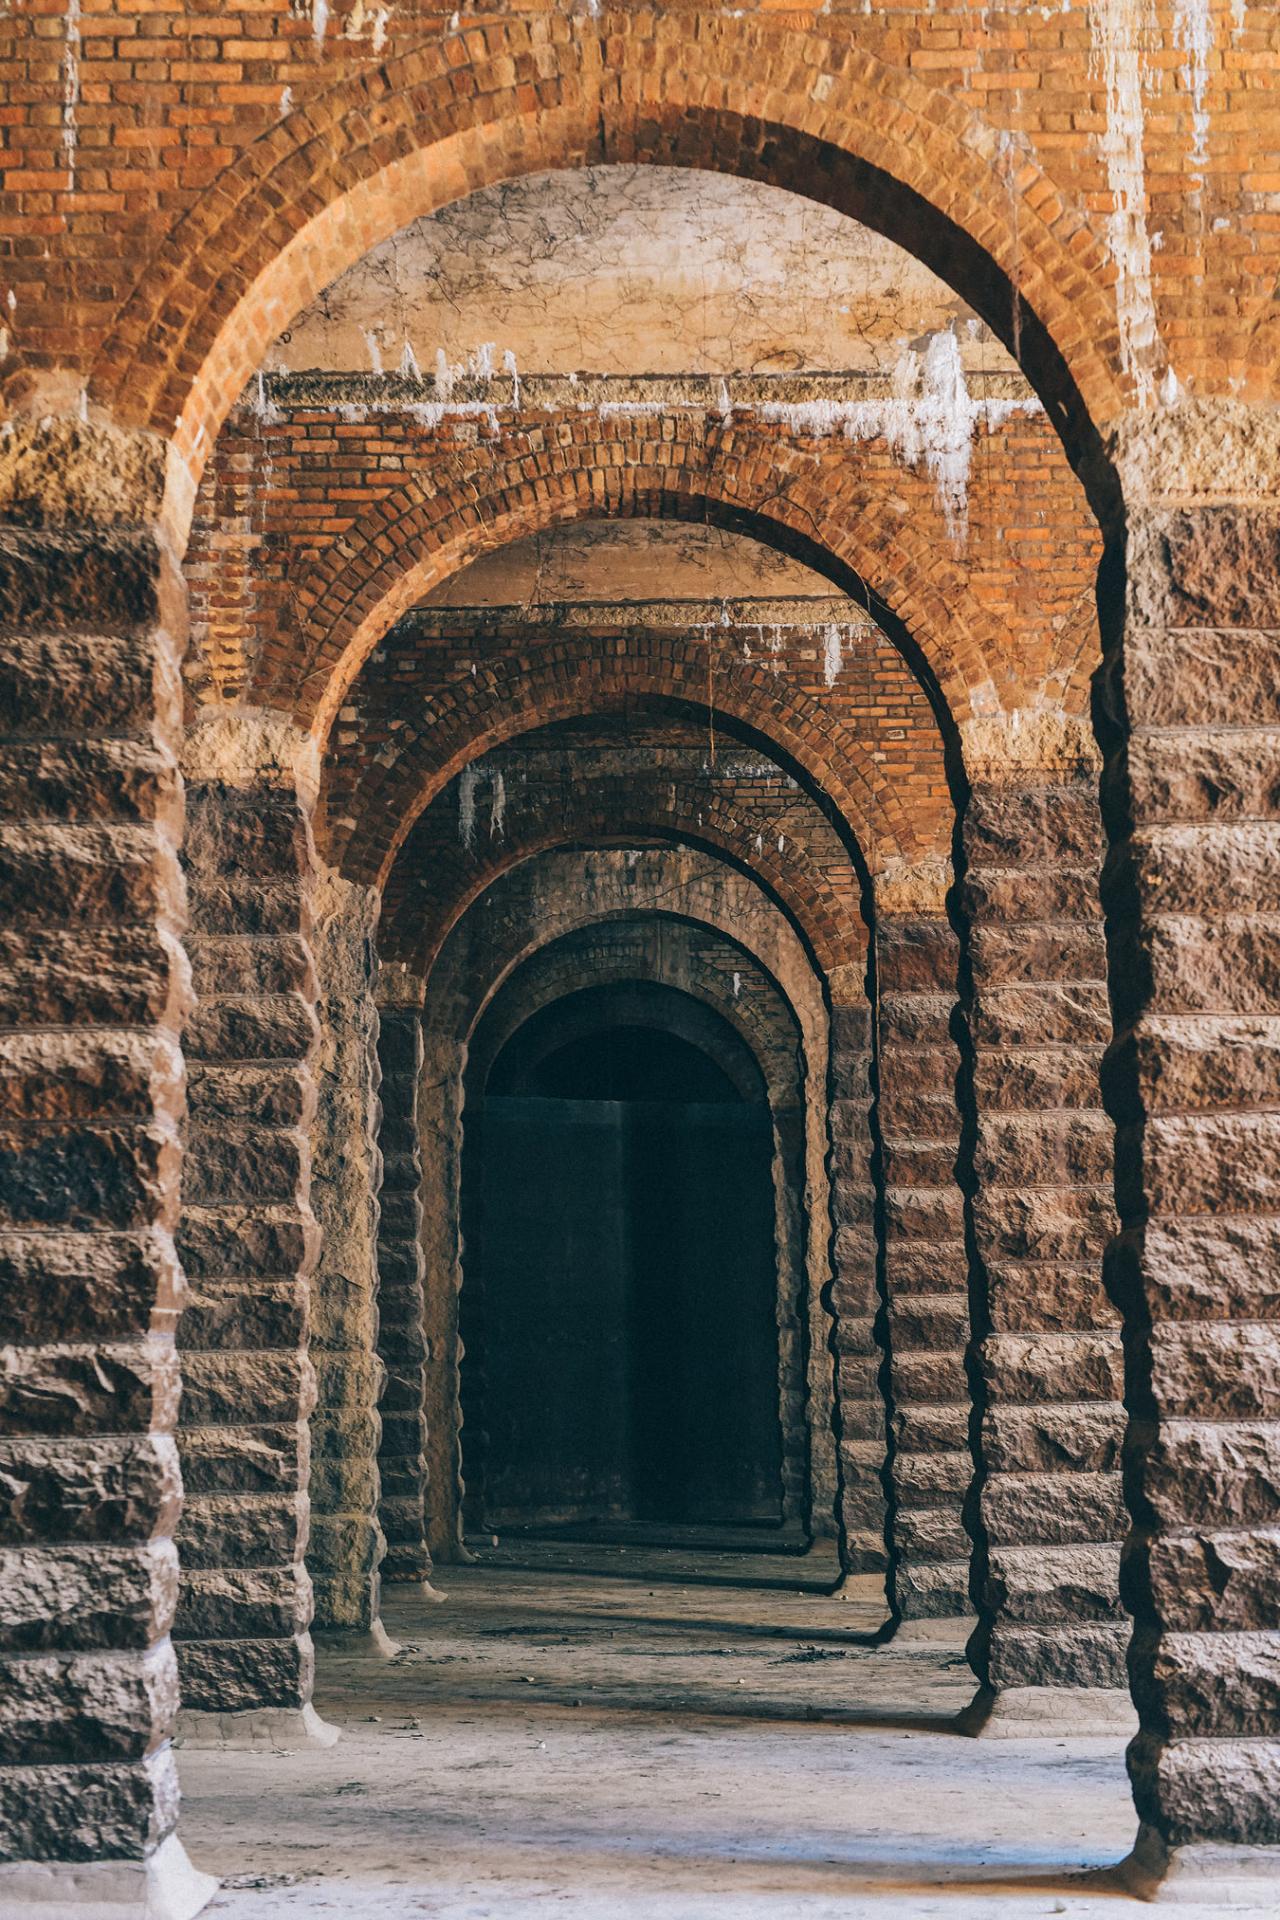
<point x="632" y="270"/>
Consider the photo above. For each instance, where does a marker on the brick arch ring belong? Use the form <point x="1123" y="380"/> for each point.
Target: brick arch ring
<point x="428" y="123"/>
<point x="573" y="678"/>
<point x="768" y="1029"/>
<point x="792" y="1058"/>
<point x="831" y="932"/>
<point x="753" y="921"/>
<point x="743" y="477"/>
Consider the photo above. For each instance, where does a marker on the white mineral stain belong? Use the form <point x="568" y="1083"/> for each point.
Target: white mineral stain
<point x="467" y="783"/>
<point x="1118" y="29"/>
<point x="71" y="89"/>
<point x="928" y="420"/>
<point x="1193" y="36"/>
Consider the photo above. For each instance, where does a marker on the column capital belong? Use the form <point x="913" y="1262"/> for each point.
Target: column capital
<point x="68" y="470"/>
<point x="251" y="747"/>
<point x="1209" y="452"/>
<point x="915" y="889"/>
<point x="1028" y="745"/>
<point x="399" y="989"/>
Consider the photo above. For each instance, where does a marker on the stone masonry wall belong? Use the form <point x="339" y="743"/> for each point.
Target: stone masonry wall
<point x="859" y="1334"/>
<point x="248" y="1241"/>
<point x="401" y="1304"/>
<point x="1047" y="1513"/>
<point x="926" y="1261"/>
<point x="93" y="990"/>
<point x="1193" y="1080"/>
<point x="346" y="1546"/>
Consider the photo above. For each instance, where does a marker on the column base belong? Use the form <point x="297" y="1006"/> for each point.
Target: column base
<point x="1040" y="1713"/>
<point x="1207" y="1875"/>
<point x="260" y="1730"/>
<point x="348" y="1640"/>
<point x="165" y="1886"/>
<point x="862" y="1589"/>
<point x="948" y="1633"/>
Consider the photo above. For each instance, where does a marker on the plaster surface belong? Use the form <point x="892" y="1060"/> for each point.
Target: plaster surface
<point x="603" y="1745"/>
<point x="689" y="272"/>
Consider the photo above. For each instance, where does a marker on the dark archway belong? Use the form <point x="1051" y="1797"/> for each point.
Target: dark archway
<point x="619" y="1273"/>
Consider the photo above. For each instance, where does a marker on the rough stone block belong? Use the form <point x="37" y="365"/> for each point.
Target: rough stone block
<point x="237" y="1389"/>
<point x="86" y="1706"/>
<point x="243" y="1530"/>
<point x="1204" y="1789"/>
<point x="1040" y="1584"/>
<point x="1047" y="1296"/>
<point x="278" y="1026"/>
<point x="95" y="1286"/>
<point x="1207" y="1685"/>
<point x="1044" y="1367"/>
<point x="1210" y="1580"/>
<point x="1061" y="1655"/>
<point x="85" y="1597"/>
<point x="240" y="1166"/>
<point x="1042" y="1016"/>
<point x="113" y="1811"/>
<point x="81" y="1177"/>
<point x="258" y="1459"/>
<point x="1202" y="1473"/>
<point x="1020" y="826"/>
<point x="110" y="1490"/>
<point x="86" y="1390"/>
<point x="1010" y="955"/>
<point x="239" y="1603"/>
<point x="1053" y="1439"/>
<point x="247" y="1243"/>
<point x="1052" y="1509"/>
<point x="233" y="1676"/>
<point x="95" y="976"/>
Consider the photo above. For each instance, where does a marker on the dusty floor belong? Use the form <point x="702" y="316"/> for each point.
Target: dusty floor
<point x="636" y="1744"/>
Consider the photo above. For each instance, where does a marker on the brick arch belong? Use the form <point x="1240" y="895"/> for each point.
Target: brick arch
<point x="552" y="970"/>
<point x="764" y="932"/>
<point x="574" y="676"/>
<point x="828" y="925"/>
<point x="356" y="161"/>
<point x="744" y="476"/>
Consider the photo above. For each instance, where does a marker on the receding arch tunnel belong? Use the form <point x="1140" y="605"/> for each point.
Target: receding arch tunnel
<point x="620" y="1273"/>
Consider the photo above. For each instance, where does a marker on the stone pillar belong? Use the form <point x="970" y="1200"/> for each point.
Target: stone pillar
<point x="93" y="989"/>
<point x="1047" y="1510"/>
<point x="402" y="1324"/>
<point x="248" y="1238"/>
<point x="790" y="1227"/>
<point x="1193" y="902"/>
<point x="926" y="1259"/>
<point x="347" y="1546"/>
<point x="855" y="1289"/>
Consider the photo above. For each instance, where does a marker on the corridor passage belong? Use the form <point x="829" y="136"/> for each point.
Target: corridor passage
<point x="672" y="1736"/>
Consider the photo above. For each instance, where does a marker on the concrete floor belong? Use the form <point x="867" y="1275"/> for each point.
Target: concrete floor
<point x="640" y="1743"/>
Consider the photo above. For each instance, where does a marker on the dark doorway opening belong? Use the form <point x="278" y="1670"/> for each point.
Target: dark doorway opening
<point x="619" y="1302"/>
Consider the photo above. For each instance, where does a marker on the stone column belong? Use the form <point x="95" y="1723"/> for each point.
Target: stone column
<point x="1047" y="1511"/>
<point x="248" y="1239"/>
<point x="926" y="1259"/>
<point x="94" y="986"/>
<point x="799" y="1485"/>
<point x="402" y="1324"/>
<point x="855" y="1289"/>
<point x="347" y="1546"/>
<point x="1193" y="901"/>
